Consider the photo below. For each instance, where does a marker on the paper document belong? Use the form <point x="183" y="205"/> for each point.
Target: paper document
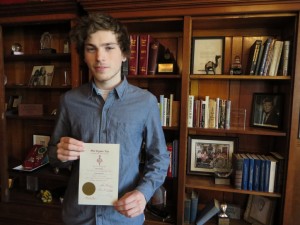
<point x="99" y="174"/>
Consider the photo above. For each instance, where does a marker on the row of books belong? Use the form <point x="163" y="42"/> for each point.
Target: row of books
<point x="258" y="172"/>
<point x="172" y="148"/>
<point x="169" y="111"/>
<point x="209" y="112"/>
<point x="270" y="58"/>
<point x="144" y="52"/>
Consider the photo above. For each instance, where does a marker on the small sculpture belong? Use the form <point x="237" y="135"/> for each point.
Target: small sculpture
<point x="211" y="66"/>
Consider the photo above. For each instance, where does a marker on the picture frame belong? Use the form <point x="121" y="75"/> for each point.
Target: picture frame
<point x="267" y="110"/>
<point x="207" y="153"/>
<point x="41" y="75"/>
<point x="207" y="55"/>
<point x="260" y="210"/>
<point x="13" y="103"/>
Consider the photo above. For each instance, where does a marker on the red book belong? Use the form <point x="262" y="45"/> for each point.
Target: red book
<point x="133" y="60"/>
<point x="153" y="54"/>
<point x="145" y="40"/>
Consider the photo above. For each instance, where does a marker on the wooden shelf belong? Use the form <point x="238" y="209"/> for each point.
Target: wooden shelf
<point x="238" y="130"/>
<point x="207" y="183"/>
<point x="39" y="57"/>
<point x="39" y="87"/>
<point x="158" y="76"/>
<point x="237" y="77"/>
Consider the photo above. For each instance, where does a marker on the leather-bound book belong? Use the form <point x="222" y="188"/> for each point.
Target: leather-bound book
<point x="145" y="40"/>
<point x="134" y="51"/>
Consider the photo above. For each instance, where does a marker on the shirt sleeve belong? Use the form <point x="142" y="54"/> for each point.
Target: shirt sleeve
<point x="157" y="156"/>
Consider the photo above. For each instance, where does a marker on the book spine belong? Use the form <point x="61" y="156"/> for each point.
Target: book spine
<point x="256" y="175"/>
<point x="161" y="108"/>
<point x="251" y="174"/>
<point x="238" y="171"/>
<point x="228" y="112"/>
<point x="165" y="112"/>
<point x="265" y="55"/>
<point x="279" y="172"/>
<point x="171" y="99"/>
<point x="175" y="158"/>
<point x="206" y="114"/>
<point x="260" y="54"/>
<point x="194" y="206"/>
<point x="170" y="151"/>
<point x="153" y="54"/>
<point x="253" y="56"/>
<point x="190" y="110"/>
<point x="212" y="113"/>
<point x="286" y="52"/>
<point x="144" y="54"/>
<point x="245" y="178"/>
<point x="262" y="173"/>
<point x="133" y="59"/>
<point x="269" y="58"/>
<point x="187" y="210"/>
<point x="276" y="55"/>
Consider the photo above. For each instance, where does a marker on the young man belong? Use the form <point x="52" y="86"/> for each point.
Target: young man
<point x="109" y="110"/>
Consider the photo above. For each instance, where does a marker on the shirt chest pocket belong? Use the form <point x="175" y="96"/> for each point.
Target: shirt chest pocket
<point x="128" y="134"/>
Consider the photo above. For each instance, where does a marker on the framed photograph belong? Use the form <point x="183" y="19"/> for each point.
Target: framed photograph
<point x="260" y="210"/>
<point x="207" y="55"/>
<point x="41" y="75"/>
<point x="267" y="109"/>
<point x="207" y="153"/>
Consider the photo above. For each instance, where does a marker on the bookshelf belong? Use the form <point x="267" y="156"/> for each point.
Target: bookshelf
<point x="174" y="23"/>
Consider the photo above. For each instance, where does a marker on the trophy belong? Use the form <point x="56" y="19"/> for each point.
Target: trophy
<point x="223" y="218"/>
<point x="167" y="64"/>
<point x="46" y="44"/>
<point x="16" y="49"/>
<point x="222" y="170"/>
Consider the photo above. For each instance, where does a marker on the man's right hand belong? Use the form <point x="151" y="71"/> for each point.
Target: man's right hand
<point x="69" y="149"/>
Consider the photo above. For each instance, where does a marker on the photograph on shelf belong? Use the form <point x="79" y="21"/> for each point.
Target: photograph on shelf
<point x="267" y="109"/>
<point x="209" y="154"/>
<point x="207" y="55"/>
<point x="41" y="75"/>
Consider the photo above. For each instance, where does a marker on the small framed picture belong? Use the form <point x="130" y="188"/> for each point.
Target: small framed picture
<point x="267" y="109"/>
<point x="207" y="55"/>
<point x="41" y="75"/>
<point x="207" y="153"/>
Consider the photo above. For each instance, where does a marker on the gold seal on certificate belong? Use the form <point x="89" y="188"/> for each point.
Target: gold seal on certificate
<point x="88" y="188"/>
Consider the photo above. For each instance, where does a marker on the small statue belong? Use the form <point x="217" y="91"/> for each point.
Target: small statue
<point x="211" y="66"/>
<point x="236" y="67"/>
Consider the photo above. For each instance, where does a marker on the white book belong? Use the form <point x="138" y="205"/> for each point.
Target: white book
<point x="272" y="173"/>
<point x="170" y="109"/>
<point x="206" y="116"/>
<point x="217" y="112"/>
<point x="165" y="113"/>
<point x="276" y="57"/>
<point x="190" y="110"/>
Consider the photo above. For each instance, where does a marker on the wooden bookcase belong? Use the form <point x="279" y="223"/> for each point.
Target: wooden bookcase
<point x="174" y="23"/>
<point x="25" y="25"/>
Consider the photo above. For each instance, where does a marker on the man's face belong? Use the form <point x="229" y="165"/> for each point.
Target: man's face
<point x="268" y="106"/>
<point x="104" y="58"/>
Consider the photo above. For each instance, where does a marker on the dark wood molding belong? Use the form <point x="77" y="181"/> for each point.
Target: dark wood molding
<point x="36" y="8"/>
<point x="166" y="8"/>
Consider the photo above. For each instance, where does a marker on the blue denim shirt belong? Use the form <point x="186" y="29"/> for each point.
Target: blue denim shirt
<point x="127" y="117"/>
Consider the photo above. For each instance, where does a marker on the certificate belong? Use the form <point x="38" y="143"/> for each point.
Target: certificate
<point x="99" y="174"/>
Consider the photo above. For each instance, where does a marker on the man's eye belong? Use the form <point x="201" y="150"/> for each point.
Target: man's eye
<point x="90" y="49"/>
<point x="107" y="48"/>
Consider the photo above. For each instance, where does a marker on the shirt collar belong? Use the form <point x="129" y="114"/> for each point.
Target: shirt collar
<point x="119" y="90"/>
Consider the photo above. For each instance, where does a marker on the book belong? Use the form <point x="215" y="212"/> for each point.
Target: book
<point x="276" y="58"/>
<point x="256" y="172"/>
<point x="227" y="114"/>
<point x="280" y="171"/>
<point x="245" y="178"/>
<point x="134" y="51"/>
<point x="197" y="113"/>
<point x="257" y="68"/>
<point x="269" y="58"/>
<point x="262" y="172"/>
<point x="285" y="61"/>
<point x="206" y="112"/>
<point x="153" y="55"/>
<point x="175" y="158"/>
<point x="194" y="206"/>
<point x="171" y="99"/>
<point x="251" y="172"/>
<point x="144" y="46"/>
<point x="238" y="170"/>
<point x="222" y="113"/>
<point x="267" y="173"/>
<point x="190" y="110"/>
<point x="187" y="209"/>
<point x="253" y="56"/>
<point x="210" y="210"/>
<point x="273" y="167"/>
<point x="212" y="113"/>
<point x="263" y="60"/>
<point x="161" y="108"/>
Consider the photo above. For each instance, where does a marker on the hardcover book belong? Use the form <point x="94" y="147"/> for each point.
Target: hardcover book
<point x="210" y="210"/>
<point x="155" y="50"/>
<point x="190" y="110"/>
<point x="276" y="58"/>
<point x="133" y="60"/>
<point x="280" y="171"/>
<point x="245" y="179"/>
<point x="145" y="40"/>
<point x="253" y="56"/>
<point x="262" y="64"/>
<point x="256" y="172"/>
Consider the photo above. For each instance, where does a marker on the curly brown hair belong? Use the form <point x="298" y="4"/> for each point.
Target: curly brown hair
<point x="94" y="22"/>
